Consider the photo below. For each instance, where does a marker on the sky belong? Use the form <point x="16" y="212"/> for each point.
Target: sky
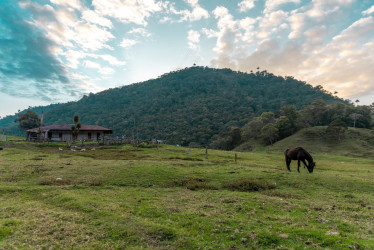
<point x="59" y="50"/>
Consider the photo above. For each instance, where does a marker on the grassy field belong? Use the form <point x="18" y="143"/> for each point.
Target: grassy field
<point x="166" y="198"/>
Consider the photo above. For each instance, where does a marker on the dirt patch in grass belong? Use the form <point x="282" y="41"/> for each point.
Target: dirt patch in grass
<point x="160" y="233"/>
<point x="9" y="179"/>
<point x="191" y="183"/>
<point x="111" y="155"/>
<point x="248" y="185"/>
<point x="64" y="181"/>
<point x="285" y="195"/>
<point x="36" y="158"/>
<point x="40" y="169"/>
<point x="185" y="158"/>
<point x="55" y="181"/>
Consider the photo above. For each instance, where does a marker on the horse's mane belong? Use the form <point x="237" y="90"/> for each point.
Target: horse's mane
<point x="308" y="155"/>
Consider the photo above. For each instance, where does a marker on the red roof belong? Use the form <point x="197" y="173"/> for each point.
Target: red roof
<point x="66" y="127"/>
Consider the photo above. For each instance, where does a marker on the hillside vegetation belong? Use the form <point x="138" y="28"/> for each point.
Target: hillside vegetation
<point x="335" y="118"/>
<point x="190" y="105"/>
<point x="356" y="142"/>
<point x="167" y="197"/>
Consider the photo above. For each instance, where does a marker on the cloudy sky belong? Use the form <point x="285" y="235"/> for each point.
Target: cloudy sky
<point x="57" y="50"/>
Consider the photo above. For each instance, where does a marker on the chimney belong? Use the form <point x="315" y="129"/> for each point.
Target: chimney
<point x="42" y="119"/>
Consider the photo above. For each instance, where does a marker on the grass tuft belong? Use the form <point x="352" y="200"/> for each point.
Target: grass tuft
<point x="248" y="185"/>
<point x="96" y="183"/>
<point x="192" y="183"/>
<point x="161" y="233"/>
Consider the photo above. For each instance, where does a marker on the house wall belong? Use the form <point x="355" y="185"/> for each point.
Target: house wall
<point x="68" y="136"/>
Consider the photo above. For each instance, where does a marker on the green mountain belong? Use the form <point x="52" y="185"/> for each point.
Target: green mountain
<point x="189" y="105"/>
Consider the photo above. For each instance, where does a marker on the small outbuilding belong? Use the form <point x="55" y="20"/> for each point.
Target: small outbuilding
<point x="65" y="133"/>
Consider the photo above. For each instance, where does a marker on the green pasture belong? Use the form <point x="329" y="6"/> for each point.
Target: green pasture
<point x="167" y="197"/>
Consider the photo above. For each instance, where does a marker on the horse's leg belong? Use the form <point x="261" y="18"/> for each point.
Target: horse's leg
<point x="288" y="161"/>
<point x="305" y="165"/>
<point x="298" y="166"/>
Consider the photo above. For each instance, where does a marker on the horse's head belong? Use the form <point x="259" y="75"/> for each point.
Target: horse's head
<point x="311" y="167"/>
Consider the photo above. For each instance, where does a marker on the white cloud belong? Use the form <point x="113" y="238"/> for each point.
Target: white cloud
<point x="297" y="22"/>
<point x="77" y="76"/>
<point x="75" y="4"/>
<point x="126" y="43"/>
<point x="227" y="37"/>
<point x="64" y="28"/>
<point x="271" y="5"/>
<point x="106" y="71"/>
<point x="357" y="32"/>
<point x="108" y="58"/>
<point x="196" y="14"/>
<point x="134" y="11"/>
<point x="220" y="12"/>
<point x="94" y="18"/>
<point x="209" y="32"/>
<point x="73" y="57"/>
<point x="339" y="63"/>
<point x="323" y="10"/>
<point x="102" y="70"/>
<point x="91" y="37"/>
<point x="193" y="39"/>
<point x="91" y="65"/>
<point x="139" y="31"/>
<point x="368" y="11"/>
<point x="273" y="19"/>
<point x="112" y="60"/>
<point x="246" y="5"/>
<point x="270" y="24"/>
<point x="192" y="2"/>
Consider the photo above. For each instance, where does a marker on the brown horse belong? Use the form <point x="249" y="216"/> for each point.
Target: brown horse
<point x="299" y="154"/>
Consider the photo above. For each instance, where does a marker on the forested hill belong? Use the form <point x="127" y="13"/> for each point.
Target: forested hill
<point x="189" y="105"/>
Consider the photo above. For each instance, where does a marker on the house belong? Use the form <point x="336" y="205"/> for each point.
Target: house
<point x="65" y="133"/>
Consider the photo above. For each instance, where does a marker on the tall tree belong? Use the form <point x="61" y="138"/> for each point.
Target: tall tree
<point x="290" y="111"/>
<point x="76" y="127"/>
<point x="336" y="129"/>
<point x="284" y="126"/>
<point x="269" y="132"/>
<point x="28" y="120"/>
<point x="252" y="129"/>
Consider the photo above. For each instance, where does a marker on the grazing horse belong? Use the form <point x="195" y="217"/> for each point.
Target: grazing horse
<point x="299" y="154"/>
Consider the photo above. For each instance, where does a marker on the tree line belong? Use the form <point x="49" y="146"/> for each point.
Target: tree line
<point x="270" y="127"/>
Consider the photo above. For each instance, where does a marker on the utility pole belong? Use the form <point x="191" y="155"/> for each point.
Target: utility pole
<point x="133" y="132"/>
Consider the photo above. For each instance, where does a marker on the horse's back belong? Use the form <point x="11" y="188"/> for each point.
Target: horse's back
<point x="294" y="153"/>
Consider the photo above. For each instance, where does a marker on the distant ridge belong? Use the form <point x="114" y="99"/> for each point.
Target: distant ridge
<point x="188" y="105"/>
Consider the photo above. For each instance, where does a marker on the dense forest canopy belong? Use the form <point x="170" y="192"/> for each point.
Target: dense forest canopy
<point x="270" y="127"/>
<point x="189" y="105"/>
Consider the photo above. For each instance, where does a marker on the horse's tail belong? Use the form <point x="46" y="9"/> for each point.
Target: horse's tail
<point x="285" y="153"/>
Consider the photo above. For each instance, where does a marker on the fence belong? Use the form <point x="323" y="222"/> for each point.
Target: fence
<point x="3" y="138"/>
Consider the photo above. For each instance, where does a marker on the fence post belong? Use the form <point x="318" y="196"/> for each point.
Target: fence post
<point x="236" y="158"/>
<point x="206" y="153"/>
